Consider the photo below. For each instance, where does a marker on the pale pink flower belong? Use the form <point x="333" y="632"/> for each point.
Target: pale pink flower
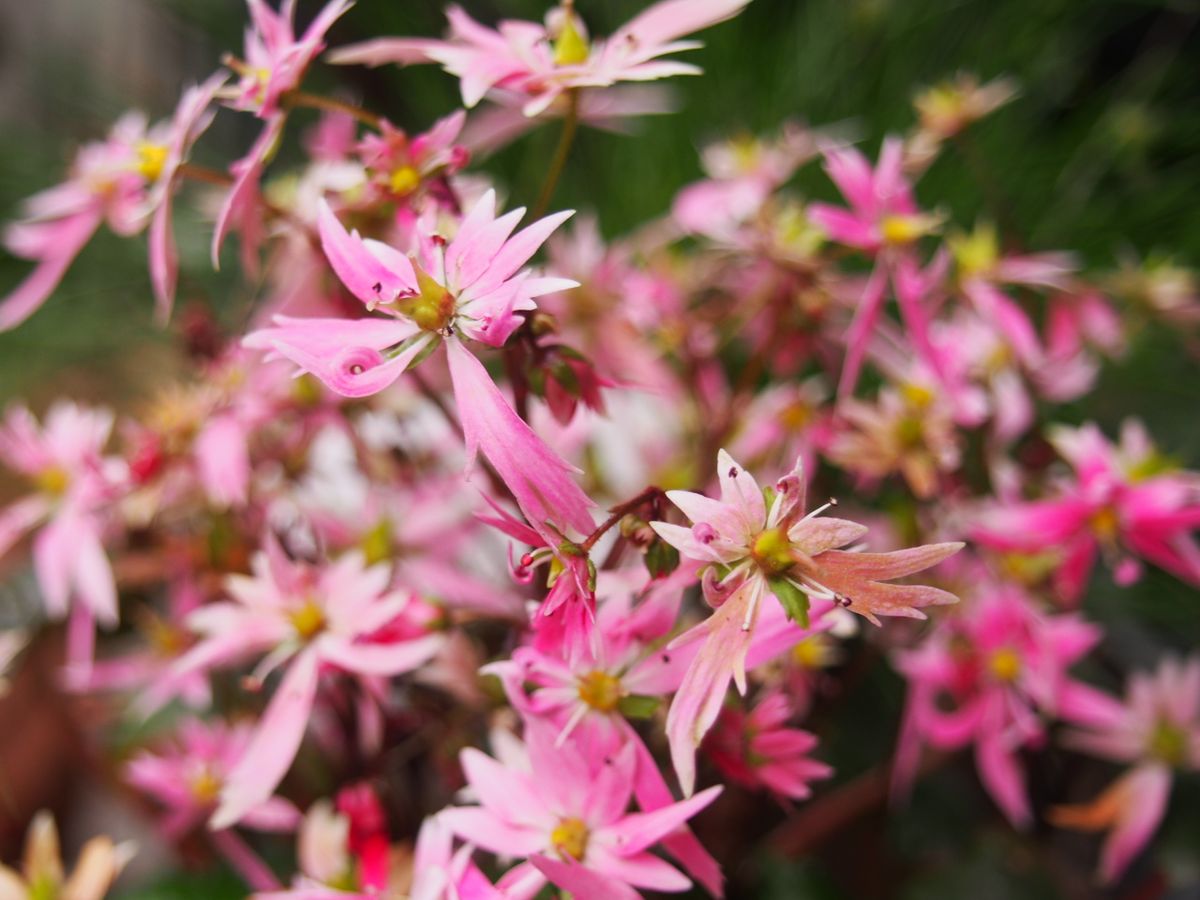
<point x="1125" y="501"/>
<point x="400" y="166"/>
<point x="569" y="820"/>
<point x="335" y="616"/>
<point x="126" y="180"/>
<point x="755" y="549"/>
<point x="63" y="458"/>
<point x="982" y="678"/>
<point x="757" y="749"/>
<point x="1156" y="730"/>
<point x="542" y="62"/>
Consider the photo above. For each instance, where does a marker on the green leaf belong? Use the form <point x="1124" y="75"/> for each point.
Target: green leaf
<point x="794" y="600"/>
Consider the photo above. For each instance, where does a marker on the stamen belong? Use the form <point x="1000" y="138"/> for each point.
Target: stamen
<point x="821" y="509"/>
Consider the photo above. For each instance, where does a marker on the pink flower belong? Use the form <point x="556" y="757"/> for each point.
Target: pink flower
<point x="542" y="62"/>
<point x="187" y="776"/>
<point x="334" y="616"/>
<point x="74" y="484"/>
<point x="982" y="678"/>
<point x="883" y="220"/>
<point x="754" y="550"/>
<point x="1156" y="730"/>
<point x="757" y="750"/>
<point x="473" y="286"/>
<point x="569" y="821"/>
<point x="399" y="165"/>
<point x="1124" y="500"/>
<point x="127" y="181"/>
<point x="275" y="63"/>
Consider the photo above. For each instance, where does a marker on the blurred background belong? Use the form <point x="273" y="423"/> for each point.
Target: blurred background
<point x="1098" y="155"/>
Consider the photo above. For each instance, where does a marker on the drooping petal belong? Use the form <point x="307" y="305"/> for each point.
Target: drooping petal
<point x="274" y="745"/>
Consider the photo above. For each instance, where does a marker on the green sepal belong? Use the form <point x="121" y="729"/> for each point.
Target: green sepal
<point x="794" y="600"/>
<point x="638" y="706"/>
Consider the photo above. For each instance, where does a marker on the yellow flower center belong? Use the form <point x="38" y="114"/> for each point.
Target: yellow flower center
<point x="812" y="652"/>
<point x="975" y="253"/>
<point x="902" y="229"/>
<point x="151" y="158"/>
<point x="376" y="544"/>
<point x="570" y="839"/>
<point x="44" y="887"/>
<point x="570" y="49"/>
<point x="1169" y="743"/>
<point x="910" y="433"/>
<point x="52" y="480"/>
<point x="918" y="396"/>
<point x="404" y="180"/>
<point x="308" y="619"/>
<point x="432" y="308"/>
<point x="205" y="787"/>
<point x="772" y="551"/>
<point x="1005" y="664"/>
<point x="1106" y="524"/>
<point x="600" y="691"/>
<point x="796" y="416"/>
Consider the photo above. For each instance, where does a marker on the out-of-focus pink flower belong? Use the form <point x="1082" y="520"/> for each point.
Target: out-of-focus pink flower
<point x="63" y="458"/>
<point x="754" y="549"/>
<point x="982" y="678"/>
<point x="542" y="62"/>
<point x="309" y="617"/>
<point x="758" y="750"/>
<point x="564" y="812"/>
<point x="1125" y="501"/>
<point x="883" y="220"/>
<point x="399" y="165"/>
<point x="1156" y="730"/>
<point x="126" y="180"/>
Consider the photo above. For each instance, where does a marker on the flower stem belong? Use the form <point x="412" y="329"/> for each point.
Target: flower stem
<point x="293" y="99"/>
<point x="619" y="512"/>
<point x="561" y="153"/>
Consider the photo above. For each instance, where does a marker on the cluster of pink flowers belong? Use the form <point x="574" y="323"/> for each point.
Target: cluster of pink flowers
<point x="433" y="501"/>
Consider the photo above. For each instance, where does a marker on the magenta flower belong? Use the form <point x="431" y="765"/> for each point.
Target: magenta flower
<point x="757" y="749"/>
<point x="1156" y="731"/>
<point x="542" y="62"/>
<point x="335" y="616"/>
<point x="754" y="550"/>
<point x="884" y="221"/>
<point x="1125" y="501"/>
<point x="74" y="483"/>
<point x="983" y="678"/>
<point x="127" y="181"/>
<point x="569" y="821"/>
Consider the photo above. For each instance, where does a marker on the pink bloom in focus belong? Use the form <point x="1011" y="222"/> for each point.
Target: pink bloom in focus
<point x="982" y="678"/>
<point x="1156" y="730"/>
<point x="757" y="750"/>
<point x="754" y="550"/>
<point x="472" y="286"/>
<point x="308" y="618"/>
<point x="569" y="821"/>
<point x="542" y="62"/>
<point x="1125" y="501"/>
